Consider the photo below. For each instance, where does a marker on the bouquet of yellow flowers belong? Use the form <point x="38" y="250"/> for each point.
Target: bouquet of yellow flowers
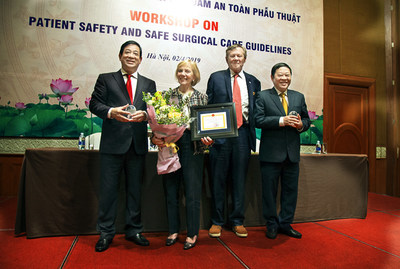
<point x="167" y="111"/>
<point x="168" y="122"/>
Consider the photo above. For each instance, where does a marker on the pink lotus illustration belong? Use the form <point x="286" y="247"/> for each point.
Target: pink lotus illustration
<point x="87" y="101"/>
<point x="312" y="115"/>
<point x="20" y="105"/>
<point x="65" y="99"/>
<point x="62" y="87"/>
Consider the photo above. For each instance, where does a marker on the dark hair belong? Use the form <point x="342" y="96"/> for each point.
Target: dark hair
<point x="130" y="42"/>
<point x="279" y="65"/>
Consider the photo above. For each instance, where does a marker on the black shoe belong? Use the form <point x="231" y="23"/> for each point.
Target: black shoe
<point x="272" y="233"/>
<point x="290" y="232"/>
<point x="188" y="245"/>
<point x="171" y="241"/>
<point x="102" y="244"/>
<point x="138" y="239"/>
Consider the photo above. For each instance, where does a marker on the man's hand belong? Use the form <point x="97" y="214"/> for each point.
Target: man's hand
<point x="293" y="121"/>
<point x="138" y="116"/>
<point x="121" y="115"/>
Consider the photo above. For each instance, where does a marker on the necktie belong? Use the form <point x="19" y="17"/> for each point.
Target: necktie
<point x="284" y="103"/>
<point x="237" y="99"/>
<point x="129" y="87"/>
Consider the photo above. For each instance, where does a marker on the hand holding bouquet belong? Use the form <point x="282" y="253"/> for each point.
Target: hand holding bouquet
<point x="167" y="122"/>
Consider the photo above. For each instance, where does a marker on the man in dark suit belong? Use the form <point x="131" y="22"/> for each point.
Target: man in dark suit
<point x="123" y="143"/>
<point x="229" y="157"/>
<point x="280" y="148"/>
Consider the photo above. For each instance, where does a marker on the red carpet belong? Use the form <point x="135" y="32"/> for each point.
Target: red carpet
<point x="319" y="248"/>
<point x="373" y="242"/>
<point x="19" y="252"/>
<point x="396" y="212"/>
<point x="124" y="254"/>
<point x="378" y="229"/>
<point x="383" y="202"/>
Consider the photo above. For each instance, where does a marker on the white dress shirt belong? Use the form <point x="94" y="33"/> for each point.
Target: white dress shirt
<point x="133" y="78"/>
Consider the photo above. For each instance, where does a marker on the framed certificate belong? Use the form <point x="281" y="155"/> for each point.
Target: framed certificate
<point x="215" y="121"/>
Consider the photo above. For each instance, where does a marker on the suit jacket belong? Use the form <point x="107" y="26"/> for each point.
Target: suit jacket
<point x="110" y="91"/>
<point x="219" y="90"/>
<point x="278" y="143"/>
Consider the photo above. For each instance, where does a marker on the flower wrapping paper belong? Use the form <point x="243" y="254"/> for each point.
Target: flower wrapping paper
<point x="168" y="159"/>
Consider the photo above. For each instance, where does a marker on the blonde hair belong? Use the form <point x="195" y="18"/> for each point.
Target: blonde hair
<point x="234" y="46"/>
<point x="193" y="67"/>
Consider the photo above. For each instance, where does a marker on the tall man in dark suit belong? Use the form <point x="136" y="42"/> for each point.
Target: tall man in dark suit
<point x="280" y="148"/>
<point x="123" y="143"/>
<point x="229" y="157"/>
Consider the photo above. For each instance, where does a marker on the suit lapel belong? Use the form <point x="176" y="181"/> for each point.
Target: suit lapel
<point x="228" y="84"/>
<point x="277" y="101"/>
<point x="139" y="91"/>
<point x="250" y="91"/>
<point x="121" y="83"/>
<point x="291" y="99"/>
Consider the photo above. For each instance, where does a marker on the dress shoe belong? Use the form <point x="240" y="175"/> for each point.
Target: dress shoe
<point x="171" y="241"/>
<point x="290" y="232"/>
<point x="188" y="245"/>
<point x="138" y="239"/>
<point x="240" y="231"/>
<point x="102" y="244"/>
<point x="215" y="231"/>
<point x="271" y="233"/>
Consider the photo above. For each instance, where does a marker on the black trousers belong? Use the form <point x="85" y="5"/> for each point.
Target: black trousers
<point x="229" y="162"/>
<point x="112" y="165"/>
<point x="288" y="173"/>
<point x="191" y="175"/>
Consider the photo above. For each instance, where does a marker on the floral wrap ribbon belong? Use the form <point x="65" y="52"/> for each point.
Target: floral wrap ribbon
<point x="174" y="147"/>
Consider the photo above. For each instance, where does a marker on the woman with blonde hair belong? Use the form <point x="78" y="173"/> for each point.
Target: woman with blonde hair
<point x="190" y="158"/>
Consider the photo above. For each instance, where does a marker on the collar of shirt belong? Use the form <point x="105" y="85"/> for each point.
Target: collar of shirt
<point x="124" y="74"/>
<point x="242" y="84"/>
<point x="280" y="98"/>
<point x="241" y="74"/>
<point x="278" y="92"/>
<point x="185" y="94"/>
<point x="196" y="98"/>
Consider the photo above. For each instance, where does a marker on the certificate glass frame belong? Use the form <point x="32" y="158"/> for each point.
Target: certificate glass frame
<point x="215" y="121"/>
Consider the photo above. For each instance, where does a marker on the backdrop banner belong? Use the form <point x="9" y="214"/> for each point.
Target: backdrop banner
<point x="52" y="52"/>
